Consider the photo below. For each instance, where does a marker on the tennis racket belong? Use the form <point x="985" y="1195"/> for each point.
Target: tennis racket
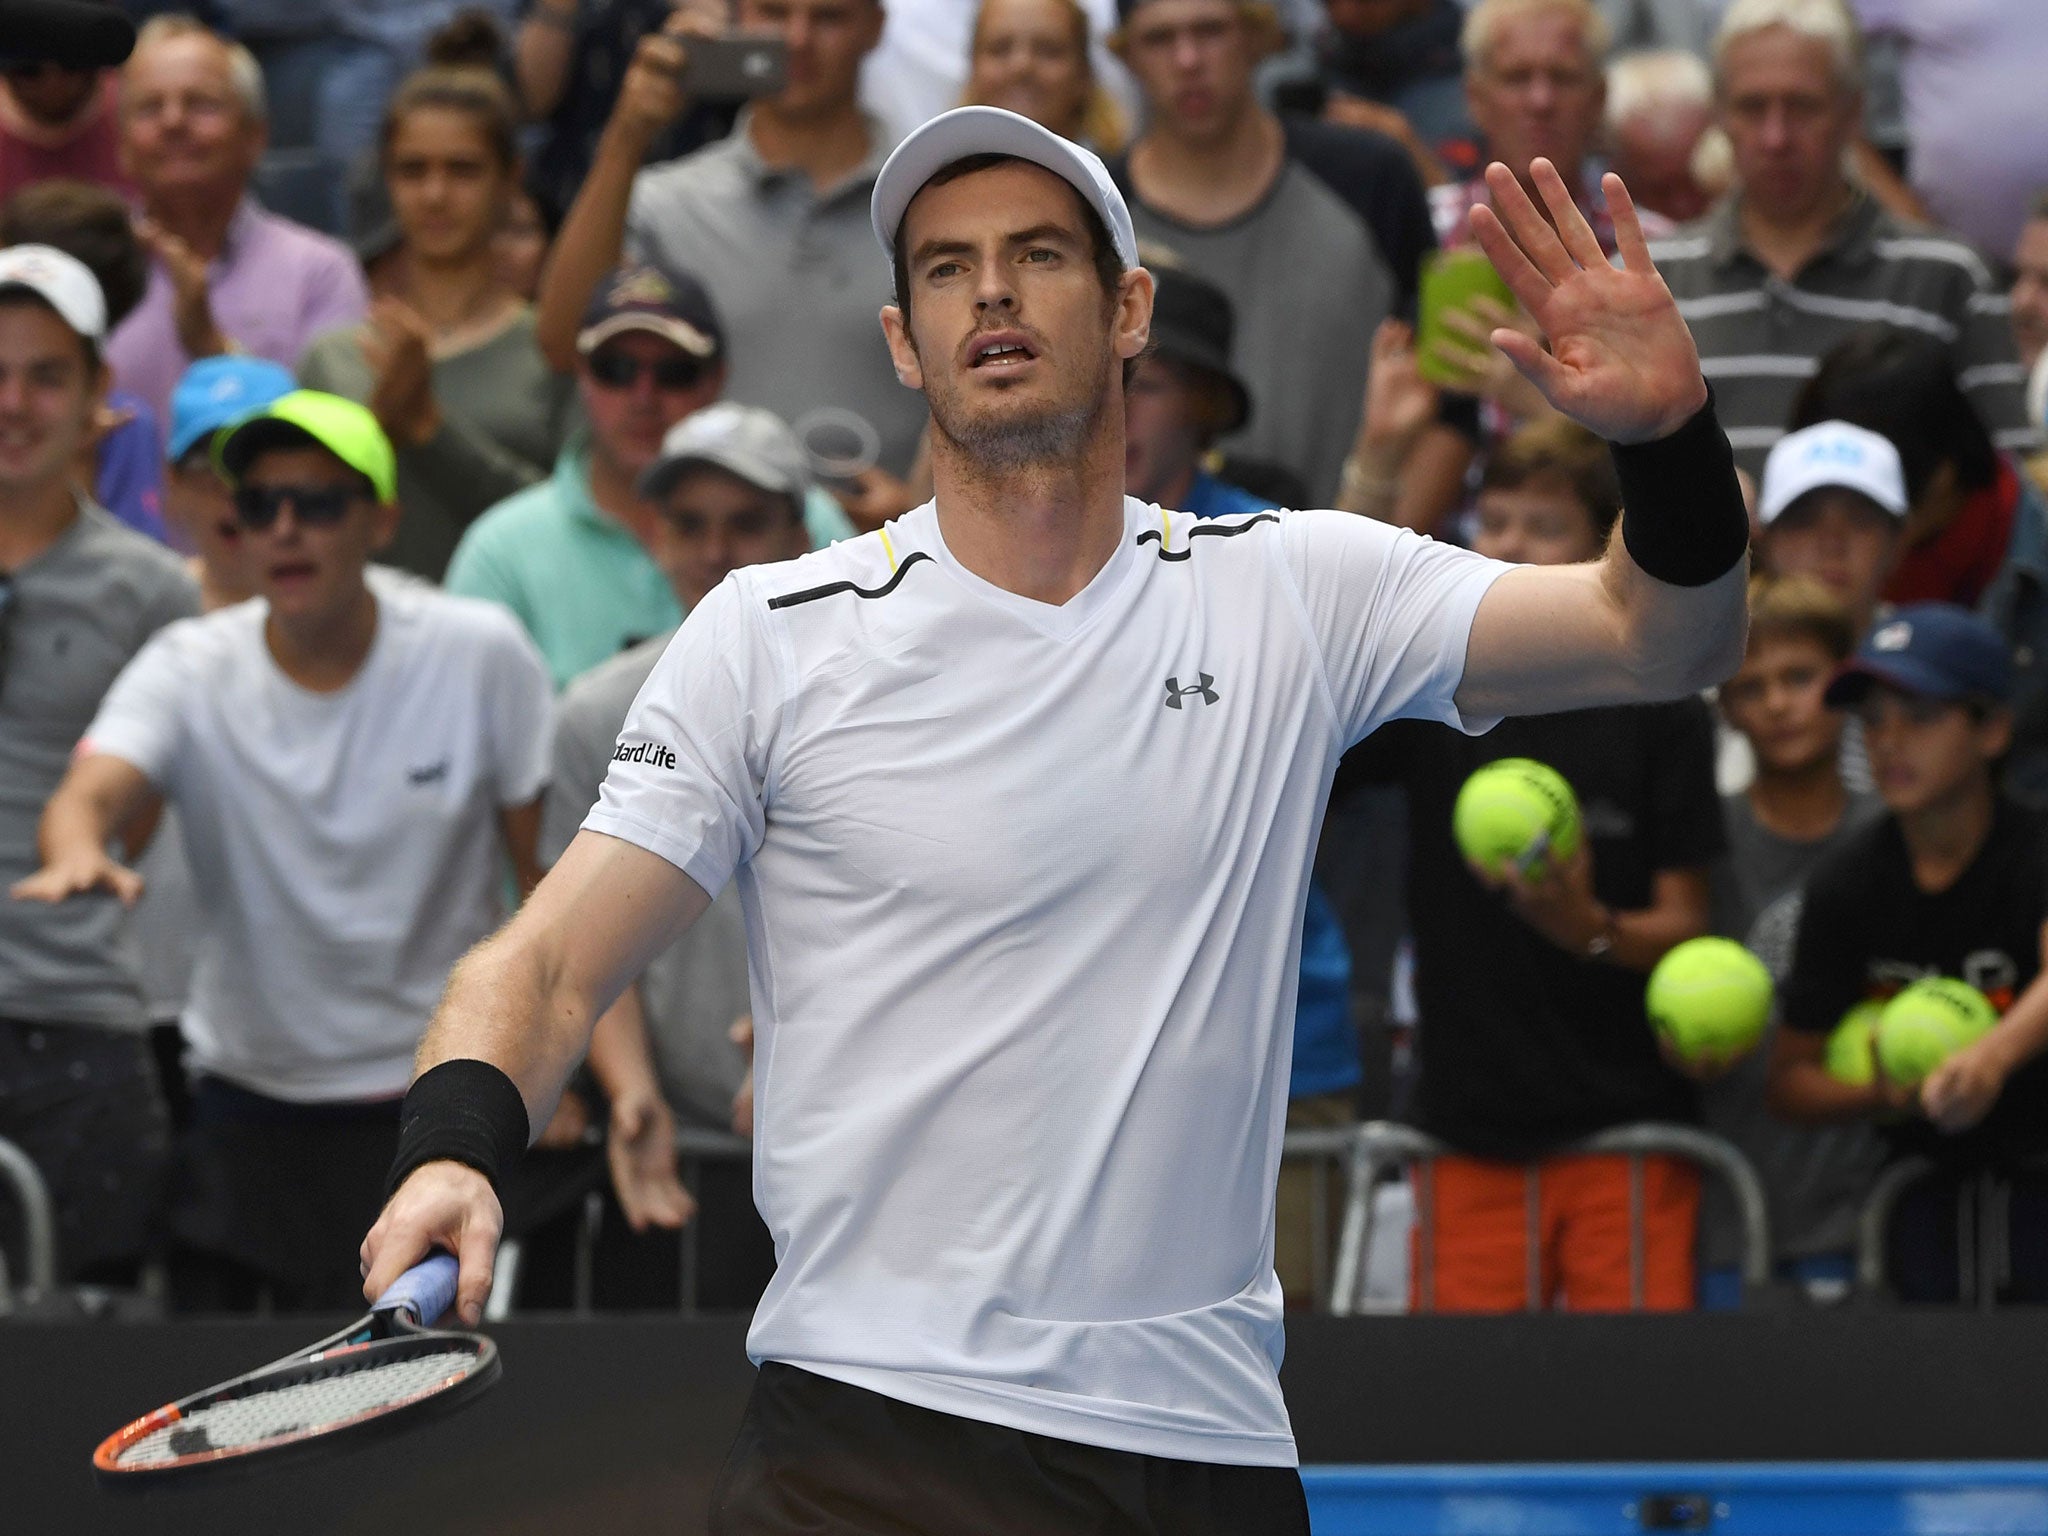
<point x="385" y="1373"/>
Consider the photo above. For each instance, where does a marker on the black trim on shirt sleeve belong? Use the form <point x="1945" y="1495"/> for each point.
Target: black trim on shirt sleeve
<point x="833" y="588"/>
<point x="1219" y="530"/>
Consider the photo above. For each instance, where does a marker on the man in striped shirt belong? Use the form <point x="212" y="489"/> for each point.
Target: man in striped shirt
<point x="1798" y="257"/>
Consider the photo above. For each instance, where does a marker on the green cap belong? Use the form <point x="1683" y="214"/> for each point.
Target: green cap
<point x="345" y="429"/>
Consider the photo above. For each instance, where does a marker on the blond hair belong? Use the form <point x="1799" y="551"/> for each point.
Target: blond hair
<point x="1824" y="21"/>
<point x="1485" y="18"/>
<point x="245" y="75"/>
<point x="1799" y="608"/>
<point x="1103" y="125"/>
<point x="1652" y="79"/>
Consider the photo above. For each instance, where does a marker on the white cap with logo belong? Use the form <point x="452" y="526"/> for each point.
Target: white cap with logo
<point x="1832" y="453"/>
<point x="61" y="281"/>
<point x="742" y="440"/>
<point x="966" y="131"/>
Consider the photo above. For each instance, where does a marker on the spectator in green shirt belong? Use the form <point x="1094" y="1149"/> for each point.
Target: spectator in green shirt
<point x="570" y="556"/>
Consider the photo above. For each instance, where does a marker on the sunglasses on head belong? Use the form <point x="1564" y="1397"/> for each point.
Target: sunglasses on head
<point x="258" y="505"/>
<point x="622" y="370"/>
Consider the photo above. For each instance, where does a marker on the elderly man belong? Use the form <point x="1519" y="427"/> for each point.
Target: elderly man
<point x="1533" y="82"/>
<point x="1660" y="101"/>
<point x="1799" y="256"/>
<point x="227" y="276"/>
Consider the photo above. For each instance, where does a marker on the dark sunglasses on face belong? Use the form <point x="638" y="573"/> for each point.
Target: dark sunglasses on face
<point x="314" y="505"/>
<point x="622" y="370"/>
<point x="693" y="525"/>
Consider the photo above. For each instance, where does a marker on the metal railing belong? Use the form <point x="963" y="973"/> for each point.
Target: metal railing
<point x="1358" y="1153"/>
<point x="694" y="1148"/>
<point x="1983" y="1231"/>
<point x="38" y="1224"/>
<point x="1369" y="1149"/>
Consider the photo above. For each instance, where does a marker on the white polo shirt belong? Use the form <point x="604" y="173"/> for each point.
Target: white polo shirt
<point x="344" y="846"/>
<point x="1024" y="891"/>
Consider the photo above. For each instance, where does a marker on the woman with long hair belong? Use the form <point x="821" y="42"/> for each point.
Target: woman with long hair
<point x="1031" y="56"/>
<point x="447" y="359"/>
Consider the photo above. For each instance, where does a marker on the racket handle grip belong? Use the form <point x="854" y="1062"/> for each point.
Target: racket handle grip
<point x="426" y="1290"/>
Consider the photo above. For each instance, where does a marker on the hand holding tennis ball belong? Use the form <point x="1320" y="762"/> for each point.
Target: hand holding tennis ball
<point x="1926" y="1024"/>
<point x="1709" y="1000"/>
<point x="1516" y="815"/>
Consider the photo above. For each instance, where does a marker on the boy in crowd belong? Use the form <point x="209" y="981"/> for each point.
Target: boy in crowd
<point x="1833" y="507"/>
<point x="123" y="461"/>
<point x="1532" y="1031"/>
<point x="79" y="596"/>
<point x="1795" y="812"/>
<point x="1953" y="881"/>
<point x="347" y="760"/>
<point x="198" y="505"/>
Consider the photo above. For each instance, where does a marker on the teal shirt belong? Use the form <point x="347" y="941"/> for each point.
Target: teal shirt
<point x="584" y="587"/>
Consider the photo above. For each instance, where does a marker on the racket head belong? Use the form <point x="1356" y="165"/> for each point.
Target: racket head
<point x="381" y="1376"/>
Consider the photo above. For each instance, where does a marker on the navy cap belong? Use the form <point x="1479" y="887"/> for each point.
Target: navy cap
<point x="637" y="297"/>
<point x="1933" y="650"/>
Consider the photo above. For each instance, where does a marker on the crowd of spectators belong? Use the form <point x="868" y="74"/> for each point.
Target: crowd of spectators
<point x="382" y="384"/>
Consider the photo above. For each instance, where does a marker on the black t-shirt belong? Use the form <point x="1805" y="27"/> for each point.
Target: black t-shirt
<point x="1868" y="930"/>
<point x="1523" y="1047"/>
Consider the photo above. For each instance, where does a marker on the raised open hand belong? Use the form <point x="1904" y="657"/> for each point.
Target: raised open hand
<point x="1621" y="361"/>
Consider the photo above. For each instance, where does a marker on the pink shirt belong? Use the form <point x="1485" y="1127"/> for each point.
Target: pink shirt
<point x="30" y="153"/>
<point x="276" y="286"/>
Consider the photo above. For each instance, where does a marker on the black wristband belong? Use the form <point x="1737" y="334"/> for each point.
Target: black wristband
<point x="465" y="1111"/>
<point x="1682" y="517"/>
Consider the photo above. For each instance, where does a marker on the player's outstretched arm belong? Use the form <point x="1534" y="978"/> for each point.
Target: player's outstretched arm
<point x="524" y="1002"/>
<point x="1662" y="614"/>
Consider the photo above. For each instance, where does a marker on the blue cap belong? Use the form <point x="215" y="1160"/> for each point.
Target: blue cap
<point x="1933" y="650"/>
<point x="216" y="391"/>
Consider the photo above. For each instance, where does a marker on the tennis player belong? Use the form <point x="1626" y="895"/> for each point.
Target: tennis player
<point x="1021" y="792"/>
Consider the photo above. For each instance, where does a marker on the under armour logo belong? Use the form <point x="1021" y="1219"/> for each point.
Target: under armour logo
<point x="1175" y="693"/>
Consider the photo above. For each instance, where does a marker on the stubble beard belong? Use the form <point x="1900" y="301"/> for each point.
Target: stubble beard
<point x="1007" y="443"/>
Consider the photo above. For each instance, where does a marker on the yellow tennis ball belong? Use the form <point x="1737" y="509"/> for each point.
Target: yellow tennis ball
<point x="1928" y="1023"/>
<point x="1516" y="812"/>
<point x="1847" y="1057"/>
<point x="1709" y="997"/>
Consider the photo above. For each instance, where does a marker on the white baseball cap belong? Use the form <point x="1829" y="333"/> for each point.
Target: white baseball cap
<point x="61" y="281"/>
<point x="1832" y="453"/>
<point x="968" y="131"/>
<point x="744" y="440"/>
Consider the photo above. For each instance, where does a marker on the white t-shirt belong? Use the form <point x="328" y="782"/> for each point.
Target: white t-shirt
<point x="1024" y="890"/>
<point x="344" y="846"/>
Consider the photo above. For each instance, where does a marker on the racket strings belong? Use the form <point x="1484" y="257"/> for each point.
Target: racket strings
<point x="296" y="1407"/>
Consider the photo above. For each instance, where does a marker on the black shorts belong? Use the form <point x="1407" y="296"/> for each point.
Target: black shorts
<point x="820" y="1457"/>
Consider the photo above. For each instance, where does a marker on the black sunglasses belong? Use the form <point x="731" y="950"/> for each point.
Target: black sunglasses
<point x="258" y="505"/>
<point x="622" y="370"/>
